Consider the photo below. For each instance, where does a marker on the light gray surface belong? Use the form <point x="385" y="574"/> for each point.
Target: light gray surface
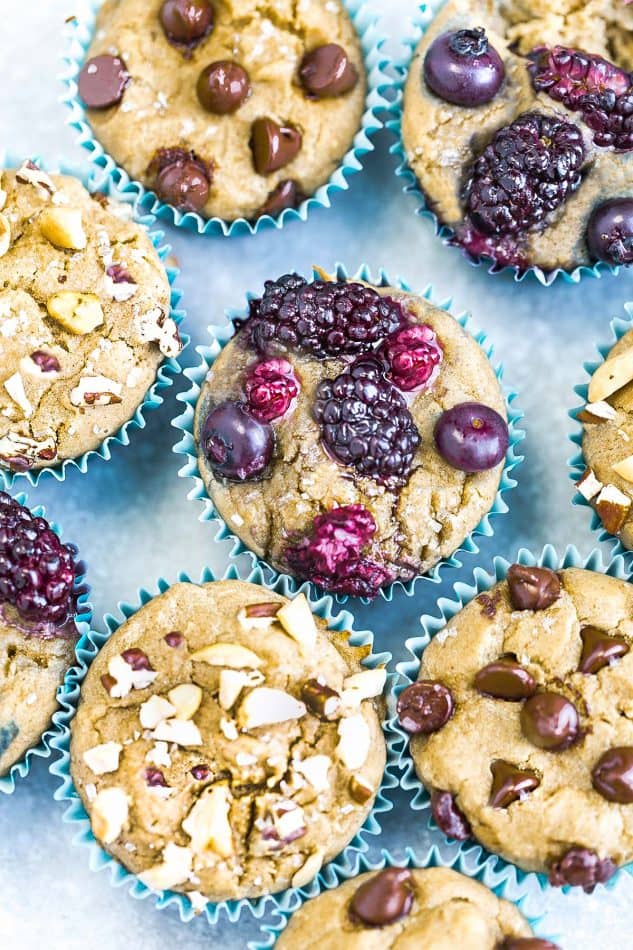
<point x="133" y="521"/>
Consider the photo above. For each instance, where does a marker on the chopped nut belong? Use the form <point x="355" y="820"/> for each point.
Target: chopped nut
<point x="624" y="468"/>
<point x="258" y="616"/>
<point x="155" y="710"/>
<point x="30" y="174"/>
<point x="76" y="312"/>
<point x="298" y="622"/>
<point x="14" y="385"/>
<point x="96" y="391"/>
<point x="15" y="446"/>
<point x="589" y="486"/>
<point x="266" y="707"/>
<point x="611" y="376"/>
<point x="157" y="327"/>
<point x="597" y="412"/>
<point x="5" y="235"/>
<point x="127" y="678"/>
<point x="612" y="506"/>
<point x="321" y="699"/>
<point x="309" y="870"/>
<point x="315" y="770"/>
<point x="228" y="654"/>
<point x="353" y="745"/>
<point x="186" y="698"/>
<point x="103" y="758"/>
<point x="174" y="869"/>
<point x="364" y="685"/>
<point x="63" y="227"/>
<point x="229" y="729"/>
<point x="360" y="789"/>
<point x="183" y="732"/>
<point x="232" y="682"/>
<point x="208" y="825"/>
<point x="288" y="820"/>
<point x="109" y="814"/>
<point x="159" y="755"/>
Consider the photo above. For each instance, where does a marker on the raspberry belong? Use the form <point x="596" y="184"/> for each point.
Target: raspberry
<point x="365" y="422"/>
<point x="326" y="318"/>
<point x="413" y="355"/>
<point x="529" y="168"/>
<point x="37" y="571"/>
<point x="332" y="558"/>
<point x="591" y="85"/>
<point x="270" y="389"/>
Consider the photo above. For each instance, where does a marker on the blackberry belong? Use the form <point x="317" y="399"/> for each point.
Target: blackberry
<point x="529" y="168"/>
<point x="365" y="422"/>
<point x="326" y="318"/>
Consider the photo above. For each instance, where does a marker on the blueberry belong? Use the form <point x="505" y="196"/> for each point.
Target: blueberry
<point x="236" y="446"/>
<point x="461" y="67"/>
<point x="610" y="231"/>
<point x="471" y="437"/>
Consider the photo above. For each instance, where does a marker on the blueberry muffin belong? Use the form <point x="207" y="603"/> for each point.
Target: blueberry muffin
<point x="521" y="725"/>
<point x="84" y="318"/>
<point x="350" y="435"/>
<point x="226" y="108"/>
<point x="226" y="744"/>
<point x="38" y="604"/>
<point x="434" y="908"/>
<point x="518" y="124"/>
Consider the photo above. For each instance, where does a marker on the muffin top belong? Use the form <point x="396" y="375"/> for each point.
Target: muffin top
<point x="38" y="603"/>
<point x="226" y="744"/>
<point x="84" y="318"/>
<point x="231" y="109"/>
<point x="350" y="435"/>
<point x="434" y="908"/>
<point x="521" y="723"/>
<point x="516" y="124"/>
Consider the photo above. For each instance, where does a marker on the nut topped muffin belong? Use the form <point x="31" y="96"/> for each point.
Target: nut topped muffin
<point x="226" y="744"/>
<point x="518" y="126"/>
<point x="228" y="109"/>
<point x="434" y="908"/>
<point x="350" y="435"/>
<point x="84" y="318"/>
<point x="520" y="723"/>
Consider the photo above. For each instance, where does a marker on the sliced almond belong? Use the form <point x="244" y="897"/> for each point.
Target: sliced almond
<point x="353" y="744"/>
<point x="595" y="412"/>
<point x="232" y="682"/>
<point x="174" y="869"/>
<point x="624" y="468"/>
<point x="103" y="758"/>
<point x="208" y="825"/>
<point x="183" y="732"/>
<point x="108" y="814"/>
<point x="611" y="376"/>
<point x="76" y="312"/>
<point x="613" y="507"/>
<point x="315" y="771"/>
<point x="14" y="385"/>
<point x="309" y="870"/>
<point x="155" y="710"/>
<point x="298" y="622"/>
<point x="232" y="655"/>
<point x="186" y="698"/>
<point x="265" y="706"/>
<point x="5" y="235"/>
<point x="589" y="486"/>
<point x="364" y="685"/>
<point x="63" y="227"/>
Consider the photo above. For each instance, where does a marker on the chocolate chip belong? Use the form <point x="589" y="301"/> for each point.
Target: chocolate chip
<point x="600" y="650"/>
<point x="184" y="185"/>
<point x="285" y="195"/>
<point x="526" y="943"/>
<point x="222" y="87"/>
<point x="385" y="898"/>
<point x="532" y="588"/>
<point x="489" y="603"/>
<point x="327" y="71"/>
<point x="424" y="707"/>
<point x="509" y="783"/>
<point x="612" y="775"/>
<point x="581" y="867"/>
<point x="137" y="659"/>
<point x="102" y="81"/>
<point x="550" y="721"/>
<point x="448" y="816"/>
<point x="174" y="639"/>
<point x="186" y="21"/>
<point x="273" y="145"/>
<point x="505" y="679"/>
<point x="321" y="699"/>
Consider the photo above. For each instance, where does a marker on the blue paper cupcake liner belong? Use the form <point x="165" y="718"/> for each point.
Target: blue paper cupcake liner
<point x="221" y="334"/>
<point x="378" y="82"/>
<point x="503" y="882"/>
<point x="408" y="670"/>
<point x="420" y="24"/>
<point x="346" y="863"/>
<point x="20" y="769"/>
<point x="618" y="326"/>
<point x="169" y="367"/>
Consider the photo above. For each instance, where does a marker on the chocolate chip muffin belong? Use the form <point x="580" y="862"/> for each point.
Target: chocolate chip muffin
<point x="434" y="908"/>
<point x="38" y="605"/>
<point x="84" y="318"/>
<point x="521" y="727"/>
<point x="226" y="744"/>
<point x="224" y="108"/>
<point x="350" y="435"/>
<point x="518" y="126"/>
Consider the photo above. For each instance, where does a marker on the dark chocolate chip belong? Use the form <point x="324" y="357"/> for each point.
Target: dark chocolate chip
<point x="384" y="898"/>
<point x="285" y="195"/>
<point x="448" y="816"/>
<point x="612" y="775"/>
<point x="526" y="943"/>
<point x="273" y="145"/>
<point x="509" y="783"/>
<point x="102" y="81"/>
<point x="600" y="650"/>
<point x="424" y="707"/>
<point x="505" y="679"/>
<point x="532" y="588"/>
<point x="581" y="867"/>
<point x="550" y="721"/>
<point x="184" y="185"/>
<point x="327" y="71"/>
<point x="186" y="21"/>
<point x="222" y="87"/>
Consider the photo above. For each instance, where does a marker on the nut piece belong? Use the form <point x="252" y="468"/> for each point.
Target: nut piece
<point x="186" y="699"/>
<point x="360" y="789"/>
<point x="5" y="235"/>
<point x="96" y="391"/>
<point x="597" y="412"/>
<point x="315" y="770"/>
<point x="14" y="385"/>
<point x="155" y="710"/>
<point x="15" y="445"/>
<point x="232" y="682"/>
<point x="363" y="685"/>
<point x="233" y="655"/>
<point x="354" y="739"/>
<point x="29" y="174"/>
<point x="258" y="616"/>
<point x="78" y="313"/>
<point x="267" y="707"/>
<point x="611" y="375"/>
<point x="624" y="468"/>
<point x="589" y="486"/>
<point x="103" y="758"/>
<point x="207" y="824"/>
<point x="181" y="731"/>
<point x="309" y="870"/>
<point x="126" y="678"/>
<point x="321" y="699"/>
<point x="108" y="814"/>
<point x="298" y="622"/>
<point x="157" y="327"/>
<point x="174" y="869"/>
<point x="612" y="506"/>
<point x="63" y="227"/>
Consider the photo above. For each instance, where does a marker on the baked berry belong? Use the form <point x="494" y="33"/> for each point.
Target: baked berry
<point x="326" y="318"/>
<point x="236" y="445"/>
<point x="610" y="231"/>
<point x="413" y="355"/>
<point x="527" y="171"/>
<point x="37" y="571"/>
<point x="471" y="437"/>
<point x="271" y="388"/>
<point x="365" y="423"/>
<point x="463" y="68"/>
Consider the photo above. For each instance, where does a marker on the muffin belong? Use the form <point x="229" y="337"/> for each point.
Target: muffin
<point x="434" y="908"/>
<point x="38" y="598"/>
<point x="520" y="723"/>
<point x="517" y="124"/>
<point x="226" y="745"/>
<point x="228" y="109"/>
<point x="350" y="435"/>
<point x="84" y="313"/>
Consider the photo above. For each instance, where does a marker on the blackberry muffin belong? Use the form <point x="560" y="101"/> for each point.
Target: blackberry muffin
<point x="518" y="124"/>
<point x="38" y="604"/>
<point x="225" y="108"/>
<point x="226" y="744"/>
<point x="84" y="318"/>
<point x="350" y="435"/>
<point x="434" y="908"/>
<point x="520" y="723"/>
